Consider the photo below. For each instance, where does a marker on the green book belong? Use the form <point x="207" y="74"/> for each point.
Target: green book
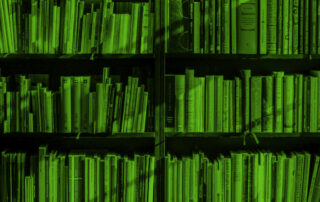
<point x="256" y="98"/>
<point x="238" y="105"/>
<point x="225" y="111"/>
<point x="280" y="27"/>
<point x="210" y="104"/>
<point x="233" y="20"/>
<point x="305" y="180"/>
<point x="245" y="75"/>
<point x="186" y="178"/>
<point x="280" y="172"/>
<point x="190" y="100"/>
<point x="306" y="104"/>
<point x="263" y="26"/>
<point x="219" y="84"/>
<point x="313" y="27"/>
<point x="290" y="178"/>
<point x="85" y="91"/>
<point x="317" y="74"/>
<point x="218" y="23"/>
<point x="66" y="104"/>
<point x="285" y="28"/>
<point x="227" y="178"/>
<point x="313" y="104"/>
<point x="301" y="26"/>
<point x="236" y="176"/>
<point x="196" y="27"/>
<point x="288" y="99"/>
<point x="225" y="26"/>
<point x="101" y="107"/>
<point x="299" y="176"/>
<point x="76" y="104"/>
<point x="313" y="179"/>
<point x="295" y="29"/>
<point x="212" y="25"/>
<point x="306" y="26"/>
<point x="247" y="24"/>
<point x="232" y="106"/>
<point x="42" y="174"/>
<point x="267" y="104"/>
<point x="197" y="104"/>
<point x="170" y="101"/>
<point x="278" y="101"/>
<point x="272" y="39"/>
<point x="290" y="27"/>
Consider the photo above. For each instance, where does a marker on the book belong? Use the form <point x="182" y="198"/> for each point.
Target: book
<point x="247" y="27"/>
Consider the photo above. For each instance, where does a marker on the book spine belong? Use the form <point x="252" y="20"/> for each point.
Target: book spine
<point x="299" y="176"/>
<point x="246" y="74"/>
<point x="238" y="105"/>
<point x="225" y="111"/>
<point x="210" y="104"/>
<point x="101" y="108"/>
<point x="236" y="176"/>
<point x="295" y="33"/>
<point x="256" y="97"/>
<point x="313" y="104"/>
<point x="317" y="96"/>
<point x="278" y="101"/>
<point x="196" y="27"/>
<point x="306" y="104"/>
<point x="272" y="27"/>
<point x="290" y="28"/>
<point x="219" y="84"/>
<point x="306" y="26"/>
<point x="317" y="27"/>
<point x="76" y="103"/>
<point x="66" y="104"/>
<point x="305" y="182"/>
<point x="267" y="100"/>
<point x="212" y="26"/>
<point x="232" y="106"/>
<point x="313" y="27"/>
<point x="288" y="98"/>
<point x="190" y="97"/>
<point x="206" y="26"/>
<point x="247" y="27"/>
<point x="170" y="100"/>
<point x="218" y="26"/>
<point x="300" y="103"/>
<point x="233" y="20"/>
<point x="225" y="29"/>
<point x="263" y="26"/>
<point x="280" y="27"/>
<point x="285" y="36"/>
<point x="301" y="26"/>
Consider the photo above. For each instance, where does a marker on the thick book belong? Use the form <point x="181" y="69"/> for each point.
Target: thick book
<point x="278" y="101"/>
<point x="288" y="98"/>
<point x="263" y="4"/>
<point x="245" y="75"/>
<point x="210" y="104"/>
<point x="256" y="101"/>
<point x="272" y="26"/>
<point x="247" y="23"/>
<point x="190" y="99"/>
<point x="267" y="104"/>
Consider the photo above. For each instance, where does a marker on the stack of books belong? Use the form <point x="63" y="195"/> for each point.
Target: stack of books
<point x="76" y="177"/>
<point x="243" y="176"/>
<point x="76" y="26"/>
<point x="242" y="27"/>
<point x="114" y="106"/>
<point x="275" y="103"/>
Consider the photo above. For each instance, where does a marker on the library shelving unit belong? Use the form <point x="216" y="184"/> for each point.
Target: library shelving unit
<point x="158" y="142"/>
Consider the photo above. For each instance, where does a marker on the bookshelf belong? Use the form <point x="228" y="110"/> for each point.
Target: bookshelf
<point x="159" y="64"/>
